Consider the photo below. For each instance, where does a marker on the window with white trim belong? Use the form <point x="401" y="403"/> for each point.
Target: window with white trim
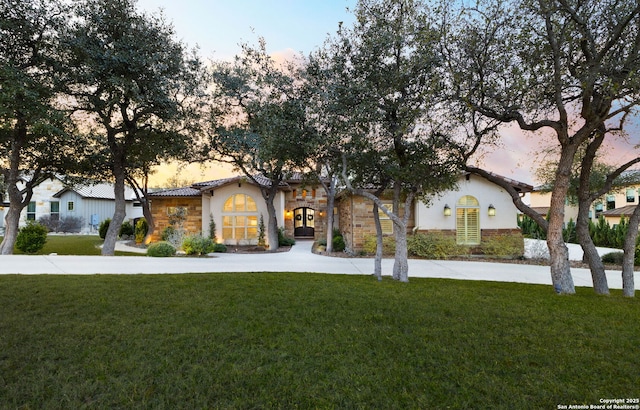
<point x="468" y="221"/>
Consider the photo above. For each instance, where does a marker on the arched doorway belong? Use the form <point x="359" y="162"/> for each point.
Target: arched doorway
<point x="303" y="222"/>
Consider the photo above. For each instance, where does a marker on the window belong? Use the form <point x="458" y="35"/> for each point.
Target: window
<point x="70" y="206"/>
<point x="468" y="221"/>
<point x="611" y="202"/>
<point x="31" y="211"/>
<point x="631" y="195"/>
<point x="240" y="218"/>
<point x="54" y="210"/>
<point x="385" y="222"/>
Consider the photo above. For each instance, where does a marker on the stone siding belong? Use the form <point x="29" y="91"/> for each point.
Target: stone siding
<point x="314" y="198"/>
<point x="159" y="210"/>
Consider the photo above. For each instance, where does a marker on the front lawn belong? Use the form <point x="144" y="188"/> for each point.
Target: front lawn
<point x="276" y="340"/>
<point x="74" y="245"/>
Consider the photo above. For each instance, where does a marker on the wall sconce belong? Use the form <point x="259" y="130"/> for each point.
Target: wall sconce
<point x="288" y="214"/>
<point x="492" y="210"/>
<point x="447" y="210"/>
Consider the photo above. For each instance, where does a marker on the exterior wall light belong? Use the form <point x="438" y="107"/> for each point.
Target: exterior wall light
<point x="492" y="210"/>
<point x="447" y="210"/>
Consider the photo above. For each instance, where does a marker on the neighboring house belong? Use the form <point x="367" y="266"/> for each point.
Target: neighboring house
<point x="93" y="204"/>
<point x="474" y="212"/>
<point x="619" y="202"/>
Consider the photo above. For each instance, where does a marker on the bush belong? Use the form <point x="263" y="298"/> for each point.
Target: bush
<point x="284" y="240"/>
<point x="197" y="245"/>
<point x="167" y="233"/>
<point x="71" y="224"/>
<point x="161" y="249"/>
<point x="434" y="246"/>
<point x="103" y="228"/>
<point x="126" y="230"/>
<point x="338" y="244"/>
<point x="220" y="248"/>
<point x="141" y="230"/>
<point x="503" y="246"/>
<point x="613" y="258"/>
<point x="388" y="245"/>
<point x="31" y="238"/>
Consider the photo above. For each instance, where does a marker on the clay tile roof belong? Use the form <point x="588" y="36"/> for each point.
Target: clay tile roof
<point x="176" y="192"/>
<point x="622" y="211"/>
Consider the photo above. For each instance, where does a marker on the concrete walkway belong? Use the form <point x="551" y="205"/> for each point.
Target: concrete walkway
<point x="298" y="259"/>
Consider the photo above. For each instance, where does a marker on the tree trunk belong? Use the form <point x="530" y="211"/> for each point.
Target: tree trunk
<point x="269" y="195"/>
<point x="109" y="246"/>
<point x="596" y="266"/>
<point x="377" y="264"/>
<point x="331" y="199"/>
<point x="628" y="285"/>
<point x="12" y="220"/>
<point x="401" y="262"/>
<point x="558" y="252"/>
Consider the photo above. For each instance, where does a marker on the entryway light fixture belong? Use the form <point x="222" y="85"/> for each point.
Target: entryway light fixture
<point x="492" y="210"/>
<point x="447" y="210"/>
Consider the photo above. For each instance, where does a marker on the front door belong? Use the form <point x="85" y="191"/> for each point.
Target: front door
<point x="303" y="222"/>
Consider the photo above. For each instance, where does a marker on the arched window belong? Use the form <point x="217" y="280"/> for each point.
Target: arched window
<point x="239" y="218"/>
<point x="468" y="221"/>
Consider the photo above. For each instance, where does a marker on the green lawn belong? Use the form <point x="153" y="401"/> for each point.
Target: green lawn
<point x="73" y="245"/>
<point x="309" y="341"/>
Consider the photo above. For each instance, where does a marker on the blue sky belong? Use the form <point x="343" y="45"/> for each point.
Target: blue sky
<point x="218" y="26"/>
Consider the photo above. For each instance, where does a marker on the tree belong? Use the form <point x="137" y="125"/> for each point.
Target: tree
<point x="387" y="83"/>
<point x="137" y="87"/>
<point x="36" y="138"/>
<point x="560" y="66"/>
<point x="259" y="122"/>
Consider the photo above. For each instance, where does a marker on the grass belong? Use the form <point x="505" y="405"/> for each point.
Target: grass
<point x="74" y="245"/>
<point x="287" y="340"/>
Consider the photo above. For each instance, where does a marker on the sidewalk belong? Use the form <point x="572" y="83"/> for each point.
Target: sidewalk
<point x="298" y="259"/>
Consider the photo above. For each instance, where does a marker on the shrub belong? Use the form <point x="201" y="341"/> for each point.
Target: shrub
<point x="141" y="230"/>
<point x="103" y="228"/>
<point x="31" y="238"/>
<point x="388" y="245"/>
<point x="284" y="240"/>
<point x="161" y="249"/>
<point x="338" y="244"/>
<point x="126" y="230"/>
<point x="49" y="223"/>
<point x="219" y="247"/>
<point x="72" y="224"/>
<point x="167" y="233"/>
<point x="434" y="246"/>
<point x="503" y="246"/>
<point x="613" y="258"/>
<point x="197" y="245"/>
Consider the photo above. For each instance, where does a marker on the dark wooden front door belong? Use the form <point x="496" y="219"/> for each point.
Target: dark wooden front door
<point x="303" y="222"/>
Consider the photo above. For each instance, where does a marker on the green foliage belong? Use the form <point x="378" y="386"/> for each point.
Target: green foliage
<point x="167" y="233"/>
<point x="503" y="246"/>
<point x="261" y="240"/>
<point x="31" y="238"/>
<point x="388" y="245"/>
<point x="219" y="247"/>
<point x="613" y="258"/>
<point x="283" y="239"/>
<point x="212" y="228"/>
<point x="142" y="228"/>
<point x="434" y="246"/>
<point x="126" y="229"/>
<point x="103" y="228"/>
<point x="530" y="228"/>
<point x="338" y="243"/>
<point x="197" y="245"/>
<point x="569" y="232"/>
<point x="608" y="236"/>
<point x="161" y="249"/>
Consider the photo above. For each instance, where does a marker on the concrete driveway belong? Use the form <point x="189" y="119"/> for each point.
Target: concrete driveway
<point x="298" y="259"/>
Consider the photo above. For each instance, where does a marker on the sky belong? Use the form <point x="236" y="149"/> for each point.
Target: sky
<point x="217" y="27"/>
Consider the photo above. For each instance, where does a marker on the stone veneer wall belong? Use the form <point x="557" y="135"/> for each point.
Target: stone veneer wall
<point x="355" y="214"/>
<point x="317" y="202"/>
<point x="193" y="222"/>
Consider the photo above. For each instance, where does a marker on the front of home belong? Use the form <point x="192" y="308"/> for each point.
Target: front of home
<point x="477" y="210"/>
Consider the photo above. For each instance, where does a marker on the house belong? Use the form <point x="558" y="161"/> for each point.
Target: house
<point x="477" y="210"/>
<point x="90" y="203"/>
